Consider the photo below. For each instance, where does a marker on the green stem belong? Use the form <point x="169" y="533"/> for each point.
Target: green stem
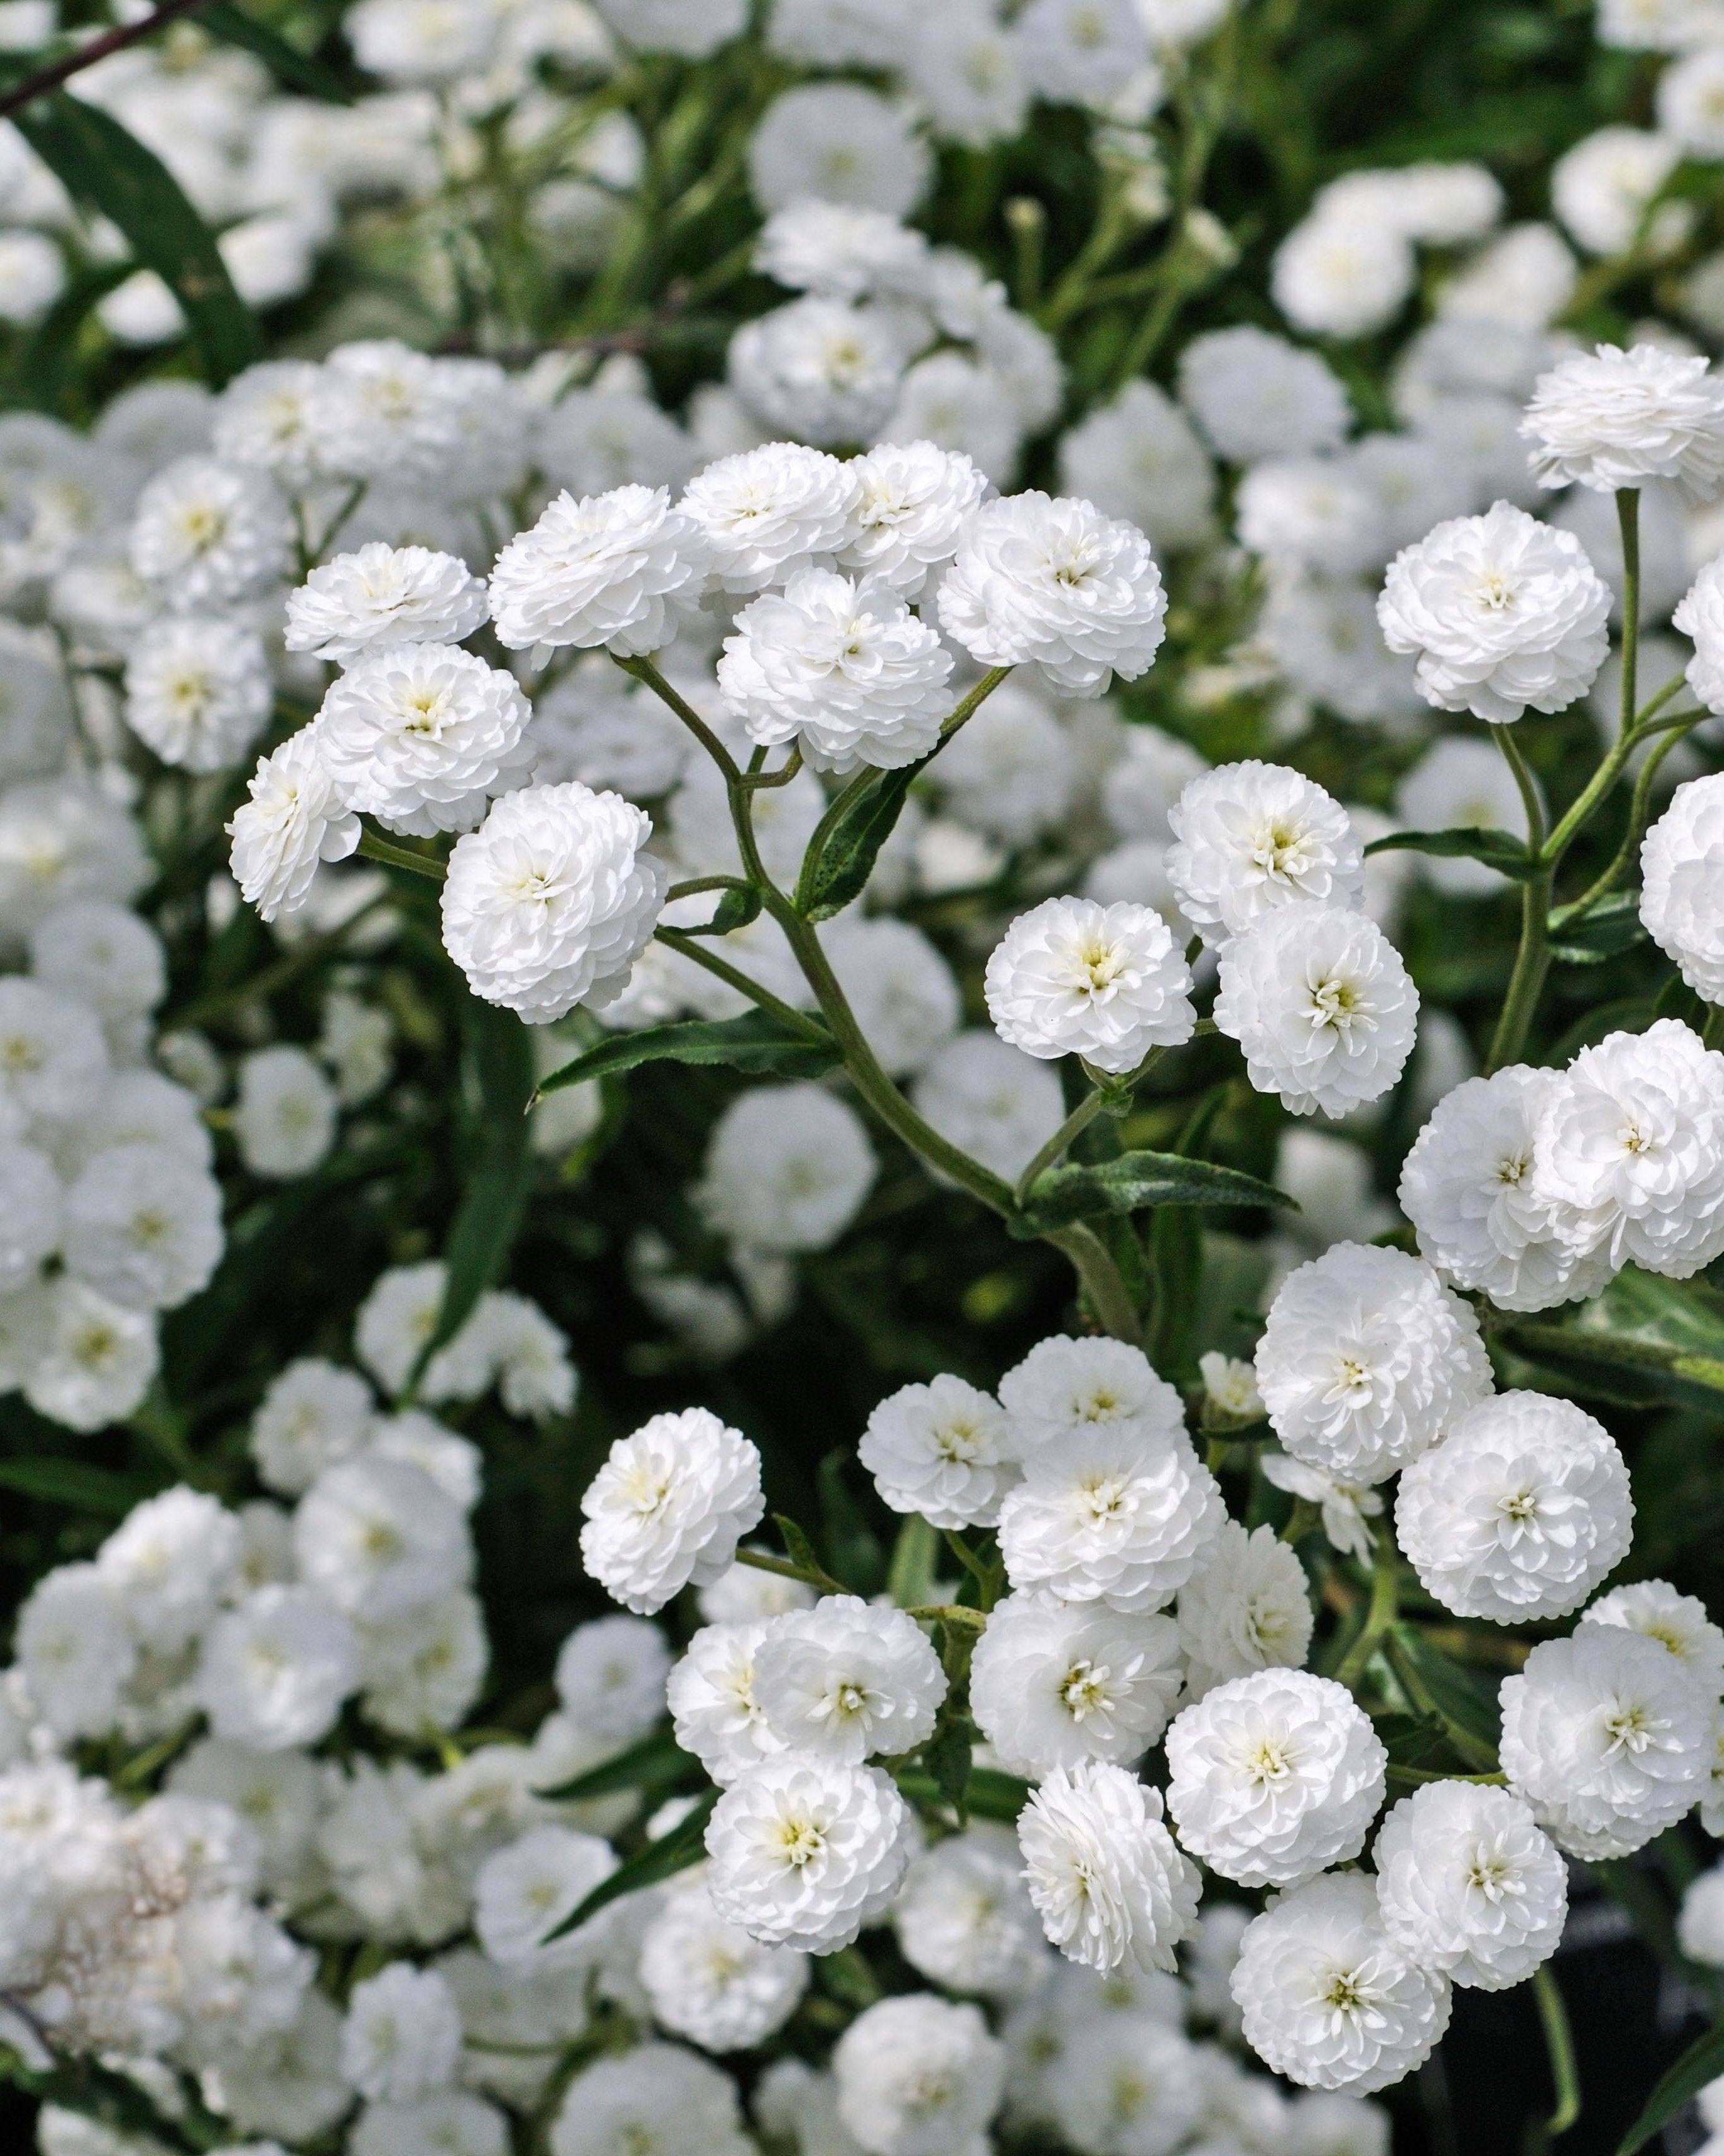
<point x="1624" y="858"/>
<point x="1304" y="1516"/>
<point x="260" y="986"/>
<point x="689" y="947"/>
<point x="1416" y="1775"/>
<point x="1559" y="2043"/>
<point x="783" y="1569"/>
<point x="1379" y="1618"/>
<point x="1078" y="1120"/>
<point x="374" y="848"/>
<point x="1628" y="519"/>
<point x="643" y="670"/>
<point x="695" y="885"/>
<point x="1533" y="960"/>
<point x="1713" y="1036"/>
<point x="1092" y="1261"/>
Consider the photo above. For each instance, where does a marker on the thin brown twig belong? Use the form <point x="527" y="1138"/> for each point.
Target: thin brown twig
<point x="98" y="48"/>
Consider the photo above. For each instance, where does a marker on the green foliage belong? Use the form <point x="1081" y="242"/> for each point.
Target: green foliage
<point x="756" y="1043"/>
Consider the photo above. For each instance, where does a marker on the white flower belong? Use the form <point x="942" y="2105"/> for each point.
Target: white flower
<point x="615" y="569"/>
<point x="1677" y="1621"/>
<point x="1253" y="838"/>
<point x="1681" y="860"/>
<point x="1469" y="1884"/>
<point x="198" y="690"/>
<point x="1255" y="395"/>
<point x="1328" y="1999"/>
<point x="1366" y="1360"/>
<point x="375" y="1537"/>
<point x="420" y="734"/>
<point x="964" y="1920"/>
<point x="838" y="250"/>
<point x="916" y="499"/>
<point x="1231" y="1385"/>
<point x="1607" y="1737"/>
<point x="786" y="1168"/>
<point x="1057" y="584"/>
<point x="669" y="1507"/>
<point x="524" y="1893"/>
<point x="657" y="2100"/>
<point x="1110" y="1885"/>
<point x="143" y="1226"/>
<point x="1344" y="271"/>
<point x="423" y="1671"/>
<point x="551" y="900"/>
<point x="1633" y="1138"/>
<point x="993" y="1101"/>
<point x="1246" y="1607"/>
<point x="284" y="1118"/>
<point x="90" y="1361"/>
<point x="381" y="413"/>
<point x="1064" y="1386"/>
<point x="1346" y="1506"/>
<point x="1503" y="612"/>
<point x="54" y="1061"/>
<point x="313" y="1415"/>
<point x="804" y="1852"/>
<point x="383" y="595"/>
<point x="693" y="28"/>
<point x="1310" y="513"/>
<point x="1483" y="1216"/>
<point x="75" y="1651"/>
<point x="1322" y="1005"/>
<point x="452" y="2120"/>
<point x="963" y="407"/>
<point x="294" y="819"/>
<point x="1008" y="771"/>
<point x="31" y="1218"/>
<point x="1689" y="101"/>
<point x="837" y="142"/>
<point x="766" y="513"/>
<point x="1603" y="187"/>
<point x="401" y="2038"/>
<point x="944" y="1450"/>
<point x="263" y="416"/>
<point x="1117" y="1513"/>
<point x="708" y="1981"/>
<point x="745" y="1595"/>
<point x="1520" y="1512"/>
<point x="273" y="1672"/>
<point x="63" y="838"/>
<point x="1125" y="2084"/>
<point x="843" y="668"/>
<point x="169" y="1563"/>
<point x="919" y="2076"/>
<point x="610" y="1677"/>
<point x="711" y="1697"/>
<point x="1611" y="418"/>
<point x="1658" y="26"/>
<point x="1053" y="1684"/>
<point x="819" y="369"/>
<point x="208" y="533"/>
<point x="1137" y="457"/>
<point x="845" y="1679"/>
<point x="1274" y="1777"/>
<point x="104" y="955"/>
<point x="1105" y="983"/>
<point x="1699" y="1922"/>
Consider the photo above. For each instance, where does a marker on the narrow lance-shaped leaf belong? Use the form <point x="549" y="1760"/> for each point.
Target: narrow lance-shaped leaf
<point x="756" y="1042"/>
<point x="1133" y="1181"/>
<point x="1701" y="2062"/>
<point x="1498" y="849"/>
<point x="298" y="71"/>
<point x="852" y="846"/>
<point x="661" y="1860"/>
<point x="657" y="1762"/>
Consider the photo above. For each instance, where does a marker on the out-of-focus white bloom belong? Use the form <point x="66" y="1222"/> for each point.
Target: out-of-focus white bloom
<point x="1632" y="1138"/>
<point x="837" y="142"/>
<point x="523" y="1892"/>
<point x="962" y="407"/>
<point x="294" y="819"/>
<point x="899" y="987"/>
<point x="1681" y="860"/>
<point x="1274" y="1777"/>
<point x="1460" y="784"/>
<point x="144" y="1226"/>
<point x="991" y="1101"/>
<point x="668" y="1508"/>
<point x="88" y="1362"/>
<point x="844" y="669"/>
<point x="383" y="595"/>
<point x="198" y="690"/>
<point x="401" y="2038"/>
<point x="1468" y="1883"/>
<point x="375" y="1537"/>
<point x="708" y="1981"/>
<point x="1137" y="458"/>
<point x="964" y="1920"/>
<point x="1520" y="1512"/>
<point x="284" y="1118"/>
<point x="654" y="2100"/>
<point x="1081" y="52"/>
<point x="1657" y="26"/>
<point x="1255" y="395"/>
<point x="551" y="900"/>
<point x="841" y="251"/>
<point x="1253" y="838"/>
<point x="1602" y="189"/>
<point x="766" y="513"/>
<point x="1322" y="1005"/>
<point x="63" y="838"/>
<point x="1611" y="418"/>
<point x="1245" y="1607"/>
<point x="74" y="1649"/>
<point x="423" y="1671"/>
<point x="819" y="369"/>
<point x="1106" y="1878"/>
<point x="965" y="66"/>
<point x="1343" y="271"/>
<point x="1053" y="1684"/>
<point x="208" y="533"/>
<point x="1231" y="1385"/>
<point x="1104" y="983"/>
<point x="1309" y="512"/>
<point x="786" y="1168"/>
<point x="273" y="1672"/>
<point x="1346" y="1506"/>
<point x="1009" y="770"/>
<point x="944" y="1450"/>
<point x="169" y="1563"/>
<point x="1057" y="584"/>
<point x="610" y="1677"/>
<point x="1366" y="1360"/>
<point x="676" y="26"/>
<point x="31" y="1213"/>
<point x="1503" y="612"/>
<point x="1700" y="1920"/>
<point x="918" y="2076"/>
<point x="907" y="526"/>
<point x="1328" y="1999"/>
<point x="804" y="1852"/>
<point x="1689" y="101"/>
<point x="1607" y="1737"/>
<point x="845" y="1679"/>
<point x="1124" y="2081"/>
<point x="1677" y="1621"/>
<point x="54" y="1061"/>
<point x="613" y="569"/>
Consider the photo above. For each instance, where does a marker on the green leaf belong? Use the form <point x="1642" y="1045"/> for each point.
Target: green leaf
<point x="1701" y="2062"/>
<point x="1133" y="1181"/>
<point x="847" y="855"/>
<point x="797" y="1548"/>
<point x="756" y="1042"/>
<point x="1500" y="850"/>
<point x="97" y="162"/>
<point x="285" y="62"/>
<point x="1413" y="1740"/>
<point x="1610" y="928"/>
<point x="1644" y="1338"/>
<point x="1466" y="1703"/>
<point x="1176" y="1265"/>
<point x="736" y="909"/>
<point x="483" y="1231"/>
<point x="946" y="1756"/>
<point x="656" y="1762"/>
<point x="76" y="1483"/>
<point x="684" y="1844"/>
<point x="989" y="1793"/>
<point x="43" y="365"/>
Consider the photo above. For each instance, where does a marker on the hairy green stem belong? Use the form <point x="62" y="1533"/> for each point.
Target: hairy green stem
<point x="1628" y="518"/>
<point x="374" y="848"/>
<point x="689" y="947"/>
<point x="1559" y="2043"/>
<point x="1532" y="959"/>
<point x="783" y="1569"/>
<point x="1077" y="1121"/>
